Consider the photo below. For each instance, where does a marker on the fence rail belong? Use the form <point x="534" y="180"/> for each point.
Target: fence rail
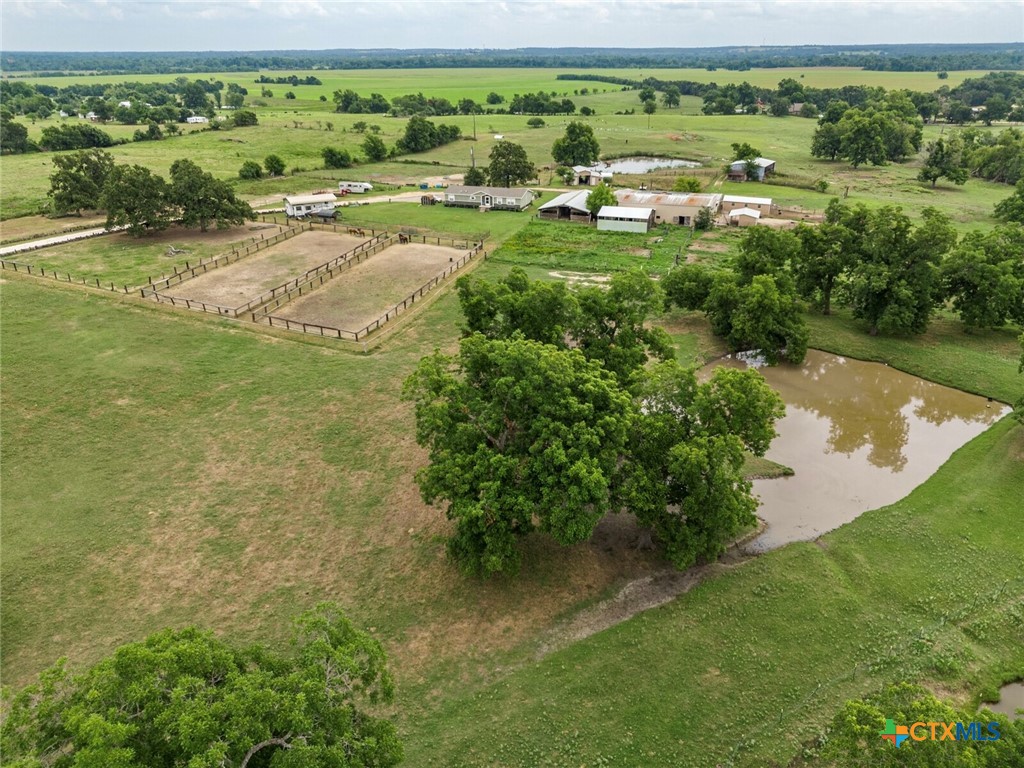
<point x="340" y="333"/>
<point x="203" y="267"/>
<point x="63" y="277"/>
<point x="348" y="259"/>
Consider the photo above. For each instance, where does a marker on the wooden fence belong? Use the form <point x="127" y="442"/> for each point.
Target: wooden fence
<point x="203" y="267"/>
<point x="397" y="309"/>
<point x="64" y="277"/>
<point x="322" y="273"/>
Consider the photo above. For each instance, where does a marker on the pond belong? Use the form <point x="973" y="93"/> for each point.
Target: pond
<point x="644" y="164"/>
<point x="858" y="436"/>
<point x="1011" y="698"/>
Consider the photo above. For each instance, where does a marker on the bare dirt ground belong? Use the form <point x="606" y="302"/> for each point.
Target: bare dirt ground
<point x="237" y="283"/>
<point x="358" y="297"/>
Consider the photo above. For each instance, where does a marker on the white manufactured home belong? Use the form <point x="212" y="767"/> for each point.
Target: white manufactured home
<point x="300" y="206"/>
<point x="493" y="198"/>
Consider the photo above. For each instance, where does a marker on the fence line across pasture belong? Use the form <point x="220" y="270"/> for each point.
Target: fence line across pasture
<point x="63" y="277"/>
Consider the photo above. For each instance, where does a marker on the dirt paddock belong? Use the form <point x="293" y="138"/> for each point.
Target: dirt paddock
<point x="358" y="297"/>
<point x="238" y="283"/>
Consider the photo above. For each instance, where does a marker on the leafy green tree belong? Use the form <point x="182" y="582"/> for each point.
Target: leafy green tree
<point x="193" y="96"/>
<point x="535" y="122"/>
<point x="234" y="99"/>
<point x="853" y="739"/>
<point x="202" y="199"/>
<point x="944" y="160"/>
<point x="475" y="177"/>
<point x="135" y="198"/>
<point x="670" y="96"/>
<point x="274" y="165"/>
<point x="825" y="255"/>
<point x="522" y="436"/>
<point x="894" y="282"/>
<point x="359" y="126"/>
<point x="1012" y="208"/>
<point x="779" y="107"/>
<point x="860" y="141"/>
<point x="682" y="473"/>
<point x="984" y="278"/>
<point x="184" y="697"/>
<point x="78" y="180"/>
<point x="244" y="117"/>
<point x="375" y="148"/>
<point x="495" y="98"/>
<point x="250" y="170"/>
<point x="1018" y="407"/>
<point x="468" y="107"/>
<point x="509" y="165"/>
<point x="827" y="141"/>
<point x="600" y="196"/>
<point x="420" y="135"/>
<point x="768" y="320"/>
<point x="704" y="220"/>
<point x="647" y="94"/>
<point x="336" y="158"/>
<point x="766" y="251"/>
<point x="687" y="184"/>
<point x="13" y="136"/>
<point x="744" y="152"/>
<point x="60" y="137"/>
<point x="577" y="147"/>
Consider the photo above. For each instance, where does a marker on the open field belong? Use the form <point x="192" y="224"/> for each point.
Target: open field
<point x="34" y="227"/>
<point x="165" y="468"/>
<point x="356" y="298"/>
<point x="125" y="260"/>
<point x="242" y="281"/>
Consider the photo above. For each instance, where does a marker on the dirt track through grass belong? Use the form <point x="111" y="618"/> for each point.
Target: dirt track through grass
<point x="364" y="293"/>
<point x="237" y="283"/>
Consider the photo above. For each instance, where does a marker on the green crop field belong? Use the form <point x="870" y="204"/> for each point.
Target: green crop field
<point x="164" y="468"/>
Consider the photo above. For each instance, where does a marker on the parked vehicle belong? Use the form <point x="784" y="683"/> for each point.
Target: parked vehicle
<point x="358" y="187"/>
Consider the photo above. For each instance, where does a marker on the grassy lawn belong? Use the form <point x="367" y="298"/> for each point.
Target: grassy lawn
<point x="126" y="260"/>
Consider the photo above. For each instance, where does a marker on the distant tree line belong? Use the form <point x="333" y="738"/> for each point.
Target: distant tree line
<point x="899" y="57"/>
<point x="290" y="80"/>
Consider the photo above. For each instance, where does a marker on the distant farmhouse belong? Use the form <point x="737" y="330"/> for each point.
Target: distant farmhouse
<point x="568" y="206"/>
<point x="300" y="206"/>
<point x="494" y="198"/>
<point x="762" y="167"/>
<point x="197" y="119"/>
<point x="670" y="207"/>
<point x="587" y="176"/>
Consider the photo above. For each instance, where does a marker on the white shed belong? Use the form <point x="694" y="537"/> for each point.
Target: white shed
<point x="744" y="217"/>
<point x="309" y="205"/>
<point x="617" y="218"/>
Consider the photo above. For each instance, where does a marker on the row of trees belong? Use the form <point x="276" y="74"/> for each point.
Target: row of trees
<point x="184" y="697"/>
<point x="550" y="416"/>
<point x="140" y="200"/>
<point x="892" y="274"/>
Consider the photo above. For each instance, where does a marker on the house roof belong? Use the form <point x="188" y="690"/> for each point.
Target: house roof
<point x="748" y="200"/>
<point x="516" y="192"/>
<point x="310" y="199"/>
<point x="763" y="162"/>
<point x="632" y="198"/>
<point x="576" y="200"/>
<point x="737" y="212"/>
<point x="621" y="212"/>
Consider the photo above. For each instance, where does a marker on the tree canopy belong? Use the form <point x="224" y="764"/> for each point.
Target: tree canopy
<point x="78" y="180"/>
<point x="577" y="147"/>
<point x="184" y="697"/>
<point x="599" y="197"/>
<point x="509" y="165"/>
<point x="136" y="198"/>
<point x="202" y="199"/>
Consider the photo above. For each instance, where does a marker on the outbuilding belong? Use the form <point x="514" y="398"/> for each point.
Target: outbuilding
<point x="616" y="218"/>
<point x="589" y="176"/>
<point x="494" y="198"/>
<point x="761" y="167"/>
<point x="744" y="217"/>
<point x="300" y="206"/>
<point x="568" y="206"/>
<point x="197" y="119"/>
<point x="670" y="207"/>
<point x="762" y="204"/>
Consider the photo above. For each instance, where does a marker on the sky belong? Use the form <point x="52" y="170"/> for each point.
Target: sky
<point x="239" y="25"/>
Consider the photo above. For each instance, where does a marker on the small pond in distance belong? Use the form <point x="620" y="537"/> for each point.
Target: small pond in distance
<point x="858" y="436"/>
<point x="644" y="164"/>
<point x="1011" y="698"/>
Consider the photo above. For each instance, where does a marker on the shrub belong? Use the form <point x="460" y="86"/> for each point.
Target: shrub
<point x="250" y="170"/>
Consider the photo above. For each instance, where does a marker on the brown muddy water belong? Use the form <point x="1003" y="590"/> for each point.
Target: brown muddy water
<point x="1011" y="698"/>
<point x="858" y="436"/>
